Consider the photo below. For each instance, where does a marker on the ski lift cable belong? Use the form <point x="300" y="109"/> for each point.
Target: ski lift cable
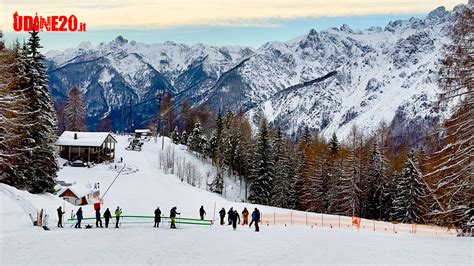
<point x="118" y="174"/>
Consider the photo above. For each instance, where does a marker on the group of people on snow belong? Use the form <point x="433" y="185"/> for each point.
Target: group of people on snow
<point x="98" y="220"/>
<point x="233" y="217"/>
<point x="173" y="213"/>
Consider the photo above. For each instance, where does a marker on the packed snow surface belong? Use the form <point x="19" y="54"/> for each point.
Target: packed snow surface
<point x="220" y="245"/>
<point x="143" y="186"/>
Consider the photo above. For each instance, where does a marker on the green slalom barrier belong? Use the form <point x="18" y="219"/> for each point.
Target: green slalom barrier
<point x="183" y="220"/>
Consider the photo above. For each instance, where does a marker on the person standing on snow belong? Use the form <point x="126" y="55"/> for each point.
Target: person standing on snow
<point x="107" y="216"/>
<point x="230" y="213"/>
<point x="173" y="213"/>
<point x="118" y="213"/>
<point x="235" y="217"/>
<point x="79" y="218"/>
<point x="98" y="220"/>
<point x="202" y="212"/>
<point x="222" y="215"/>
<point x="157" y="217"/>
<point x="245" y="216"/>
<point x="256" y="219"/>
<point x="60" y="217"/>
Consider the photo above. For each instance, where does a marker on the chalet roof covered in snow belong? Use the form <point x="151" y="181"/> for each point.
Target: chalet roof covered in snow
<point x="83" y="139"/>
<point x="78" y="190"/>
<point x="142" y="131"/>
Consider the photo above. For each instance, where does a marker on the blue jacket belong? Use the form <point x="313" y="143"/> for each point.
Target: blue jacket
<point x="256" y="215"/>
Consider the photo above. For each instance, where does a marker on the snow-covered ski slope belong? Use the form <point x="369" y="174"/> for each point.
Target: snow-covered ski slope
<point x="143" y="186"/>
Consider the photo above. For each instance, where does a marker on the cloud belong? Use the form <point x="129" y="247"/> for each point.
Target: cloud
<point x="231" y="13"/>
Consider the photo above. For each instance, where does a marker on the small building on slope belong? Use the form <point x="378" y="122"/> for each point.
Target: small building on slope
<point x="79" y="195"/>
<point x="142" y="133"/>
<point x="87" y="146"/>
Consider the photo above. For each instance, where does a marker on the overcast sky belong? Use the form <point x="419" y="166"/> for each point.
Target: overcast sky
<point x="219" y="22"/>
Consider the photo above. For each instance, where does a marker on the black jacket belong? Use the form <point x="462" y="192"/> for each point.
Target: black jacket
<point x="157" y="215"/>
<point x="235" y="217"/>
<point x="173" y="213"/>
<point x="107" y="215"/>
<point x="222" y="213"/>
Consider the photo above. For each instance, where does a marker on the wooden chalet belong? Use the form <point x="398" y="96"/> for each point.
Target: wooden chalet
<point x="87" y="146"/>
<point x="79" y="195"/>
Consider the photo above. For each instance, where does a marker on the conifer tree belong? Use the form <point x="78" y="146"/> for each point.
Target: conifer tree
<point x="227" y="143"/>
<point x="376" y="176"/>
<point x="215" y="143"/>
<point x="14" y="113"/>
<point x="335" y="176"/>
<point x="184" y="138"/>
<point x="244" y="146"/>
<point x="262" y="170"/>
<point x="351" y="192"/>
<point x="75" y="110"/>
<point x="305" y="184"/>
<point x="350" y="187"/>
<point x="409" y="202"/>
<point x="217" y="185"/>
<point x="321" y="182"/>
<point x="175" y="136"/>
<point x="283" y="194"/>
<point x="334" y="144"/>
<point x="197" y="139"/>
<point x="43" y="130"/>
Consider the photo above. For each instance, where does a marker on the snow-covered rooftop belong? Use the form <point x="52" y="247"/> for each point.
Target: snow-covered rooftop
<point x="84" y="139"/>
<point x="142" y="131"/>
<point x="78" y="190"/>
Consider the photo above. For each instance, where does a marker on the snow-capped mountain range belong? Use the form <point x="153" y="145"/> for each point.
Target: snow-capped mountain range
<point x="328" y="80"/>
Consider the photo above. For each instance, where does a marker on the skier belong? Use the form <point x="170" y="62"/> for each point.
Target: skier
<point x="60" y="217"/>
<point x="222" y="215"/>
<point x="79" y="218"/>
<point x="118" y="213"/>
<point x="157" y="217"/>
<point x="202" y="212"/>
<point x="97" y="218"/>
<point x="235" y="217"/>
<point x="230" y="213"/>
<point x="173" y="213"/>
<point x="107" y="216"/>
<point x="245" y="216"/>
<point x="256" y="219"/>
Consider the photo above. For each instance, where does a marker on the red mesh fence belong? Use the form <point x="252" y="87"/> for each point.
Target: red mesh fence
<point x="316" y="220"/>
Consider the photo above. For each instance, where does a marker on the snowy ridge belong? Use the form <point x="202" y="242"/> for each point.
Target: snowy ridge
<point x="380" y="71"/>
